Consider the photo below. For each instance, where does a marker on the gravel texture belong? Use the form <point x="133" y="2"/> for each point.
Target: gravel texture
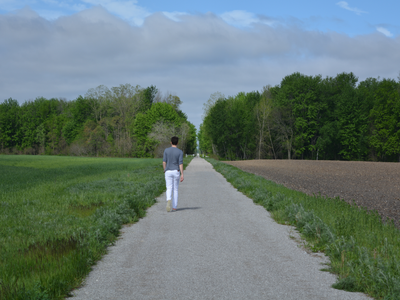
<point x="218" y="245"/>
<point x="373" y="185"/>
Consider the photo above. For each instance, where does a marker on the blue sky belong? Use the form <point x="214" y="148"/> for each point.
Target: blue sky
<point x="55" y="48"/>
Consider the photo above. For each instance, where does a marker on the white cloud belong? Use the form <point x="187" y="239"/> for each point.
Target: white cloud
<point x="74" y="6"/>
<point x="97" y="15"/>
<point x="109" y="2"/>
<point x="127" y="10"/>
<point x="242" y="19"/>
<point x="175" y="16"/>
<point x="384" y="31"/>
<point x="25" y="13"/>
<point x="51" y="2"/>
<point x="10" y="5"/>
<point x="239" y="18"/>
<point x="50" y="14"/>
<point x="200" y="55"/>
<point x="345" y="5"/>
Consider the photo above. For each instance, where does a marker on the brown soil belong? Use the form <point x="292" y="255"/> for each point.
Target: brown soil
<point x="373" y="185"/>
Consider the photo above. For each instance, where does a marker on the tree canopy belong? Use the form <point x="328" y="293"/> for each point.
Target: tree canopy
<point x="307" y="117"/>
<point x="105" y="122"/>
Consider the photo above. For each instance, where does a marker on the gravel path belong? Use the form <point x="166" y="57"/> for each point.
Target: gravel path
<point x="218" y="245"/>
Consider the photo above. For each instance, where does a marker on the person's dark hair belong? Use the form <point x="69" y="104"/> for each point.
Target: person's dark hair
<point x="174" y="140"/>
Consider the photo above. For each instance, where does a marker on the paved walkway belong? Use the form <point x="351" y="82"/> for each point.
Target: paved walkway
<point x="218" y="245"/>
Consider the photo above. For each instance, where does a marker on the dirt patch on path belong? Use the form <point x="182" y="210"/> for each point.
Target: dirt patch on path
<point x="373" y="185"/>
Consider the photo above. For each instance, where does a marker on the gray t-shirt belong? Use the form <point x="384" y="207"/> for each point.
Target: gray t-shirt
<point x="173" y="157"/>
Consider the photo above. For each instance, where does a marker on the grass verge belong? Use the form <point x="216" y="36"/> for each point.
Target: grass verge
<point x="59" y="214"/>
<point x="364" y="251"/>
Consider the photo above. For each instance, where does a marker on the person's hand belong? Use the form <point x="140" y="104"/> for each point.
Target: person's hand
<point x="181" y="177"/>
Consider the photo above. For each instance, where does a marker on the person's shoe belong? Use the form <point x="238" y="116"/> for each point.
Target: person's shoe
<point x="174" y="209"/>
<point x="168" y="205"/>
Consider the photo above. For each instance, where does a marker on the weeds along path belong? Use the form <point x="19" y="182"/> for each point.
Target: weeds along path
<point x="218" y="245"/>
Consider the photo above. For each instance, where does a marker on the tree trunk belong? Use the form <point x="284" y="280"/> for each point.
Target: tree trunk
<point x="214" y="149"/>
<point x="270" y="139"/>
<point x="259" y="148"/>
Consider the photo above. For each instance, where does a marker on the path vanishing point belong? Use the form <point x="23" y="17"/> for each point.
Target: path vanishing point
<point x="218" y="245"/>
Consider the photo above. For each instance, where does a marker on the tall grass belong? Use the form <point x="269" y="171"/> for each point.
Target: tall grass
<point x="58" y="215"/>
<point x="364" y="251"/>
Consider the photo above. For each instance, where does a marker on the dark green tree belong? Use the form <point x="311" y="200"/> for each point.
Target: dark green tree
<point x="231" y="125"/>
<point x="80" y="111"/>
<point x="302" y="95"/>
<point x="149" y="94"/>
<point x="9" y="113"/>
<point x="352" y="118"/>
<point x="385" y="116"/>
<point x="143" y="123"/>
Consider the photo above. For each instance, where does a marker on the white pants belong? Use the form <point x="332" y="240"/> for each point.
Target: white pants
<point x="172" y="182"/>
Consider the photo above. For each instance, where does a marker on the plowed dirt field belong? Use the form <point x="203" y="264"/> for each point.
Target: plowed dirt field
<point x="373" y="185"/>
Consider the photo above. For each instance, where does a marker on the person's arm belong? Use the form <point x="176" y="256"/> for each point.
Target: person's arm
<point x="181" y="169"/>
<point x="164" y="163"/>
<point x="181" y="164"/>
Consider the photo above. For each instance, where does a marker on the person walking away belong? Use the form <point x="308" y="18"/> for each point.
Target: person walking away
<point x="173" y="169"/>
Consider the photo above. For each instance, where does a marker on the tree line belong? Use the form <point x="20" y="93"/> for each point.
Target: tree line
<point x="124" y="121"/>
<point x="306" y="117"/>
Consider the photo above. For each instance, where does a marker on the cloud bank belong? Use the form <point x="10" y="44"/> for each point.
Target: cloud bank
<point x="194" y="56"/>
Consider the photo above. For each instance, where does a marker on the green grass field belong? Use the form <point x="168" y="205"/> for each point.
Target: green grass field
<point x="364" y="252"/>
<point x="58" y="215"/>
